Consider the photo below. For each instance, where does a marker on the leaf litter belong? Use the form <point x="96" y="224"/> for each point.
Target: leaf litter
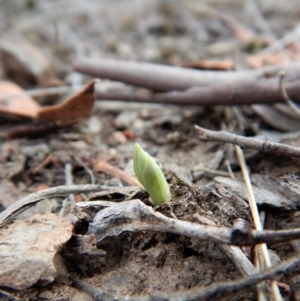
<point x="142" y="263"/>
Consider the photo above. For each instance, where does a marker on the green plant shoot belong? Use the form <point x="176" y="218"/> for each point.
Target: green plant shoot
<point x="150" y="176"/>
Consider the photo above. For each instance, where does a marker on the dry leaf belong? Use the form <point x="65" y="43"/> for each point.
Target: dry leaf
<point x="77" y="106"/>
<point x="28" y="248"/>
<point x="13" y="100"/>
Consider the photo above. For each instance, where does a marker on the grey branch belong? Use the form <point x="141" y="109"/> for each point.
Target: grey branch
<point x="31" y="199"/>
<point x="136" y="216"/>
<point x="273" y="148"/>
<point x="162" y="78"/>
<point x="184" y="86"/>
<point x="241" y="91"/>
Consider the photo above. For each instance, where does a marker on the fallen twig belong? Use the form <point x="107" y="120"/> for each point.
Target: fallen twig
<point x="163" y="78"/>
<point x="104" y="166"/>
<point x="31" y="199"/>
<point x="240" y="91"/>
<point x="140" y="217"/>
<point x="49" y="159"/>
<point x="289" y="102"/>
<point x="249" y="143"/>
<point x="35" y="130"/>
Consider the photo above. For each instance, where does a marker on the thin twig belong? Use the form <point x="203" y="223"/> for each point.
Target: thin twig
<point x="274" y="148"/>
<point x="31" y="199"/>
<point x="69" y="182"/>
<point x="283" y="42"/>
<point x="8" y="296"/>
<point x="236" y="255"/>
<point x="289" y="102"/>
<point x="49" y="159"/>
<point x="256" y="219"/>
<point x="229" y="169"/>
<point x="239" y="258"/>
<point x="212" y="292"/>
<point x="88" y="170"/>
<point x="104" y="166"/>
<point x="35" y="130"/>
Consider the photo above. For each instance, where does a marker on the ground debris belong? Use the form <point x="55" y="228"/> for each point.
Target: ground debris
<point x="263" y="196"/>
<point x="28" y="250"/>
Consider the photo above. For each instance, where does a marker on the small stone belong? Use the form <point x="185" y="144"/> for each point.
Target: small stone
<point x="119" y="137"/>
<point x="125" y="119"/>
<point x="95" y="125"/>
<point x="47" y="295"/>
<point x="115" y="182"/>
<point x="129" y="134"/>
<point x="40" y="150"/>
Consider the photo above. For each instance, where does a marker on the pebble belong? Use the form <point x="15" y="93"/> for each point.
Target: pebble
<point x="47" y="295"/>
<point x="119" y="137"/>
<point x="125" y="119"/>
<point x="40" y="150"/>
<point x="95" y="125"/>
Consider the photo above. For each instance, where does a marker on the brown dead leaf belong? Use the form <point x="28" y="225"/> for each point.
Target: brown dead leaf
<point x="77" y="106"/>
<point x="14" y="101"/>
<point x="28" y="248"/>
<point x="211" y="65"/>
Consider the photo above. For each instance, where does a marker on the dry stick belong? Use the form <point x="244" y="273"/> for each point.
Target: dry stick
<point x="104" y="166"/>
<point x="212" y="292"/>
<point x="69" y="182"/>
<point x="256" y="219"/>
<point x="35" y="130"/>
<point x="274" y="148"/>
<point x="8" y="296"/>
<point x="149" y="220"/>
<point x="31" y="199"/>
<point x="289" y="102"/>
<point x="163" y="78"/>
<point x="237" y="257"/>
<point x="240" y="91"/>
<point x="88" y="170"/>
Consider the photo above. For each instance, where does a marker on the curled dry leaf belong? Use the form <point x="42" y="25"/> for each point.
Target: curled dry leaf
<point x="28" y="249"/>
<point x="14" y="101"/>
<point x="77" y="106"/>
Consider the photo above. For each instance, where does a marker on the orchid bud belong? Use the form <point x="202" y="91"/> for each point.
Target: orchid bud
<point x="150" y="176"/>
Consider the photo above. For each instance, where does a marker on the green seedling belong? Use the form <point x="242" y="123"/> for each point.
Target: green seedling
<point x="150" y="176"/>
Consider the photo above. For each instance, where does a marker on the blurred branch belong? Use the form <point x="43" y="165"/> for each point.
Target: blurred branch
<point x="162" y="78"/>
<point x="241" y="91"/>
